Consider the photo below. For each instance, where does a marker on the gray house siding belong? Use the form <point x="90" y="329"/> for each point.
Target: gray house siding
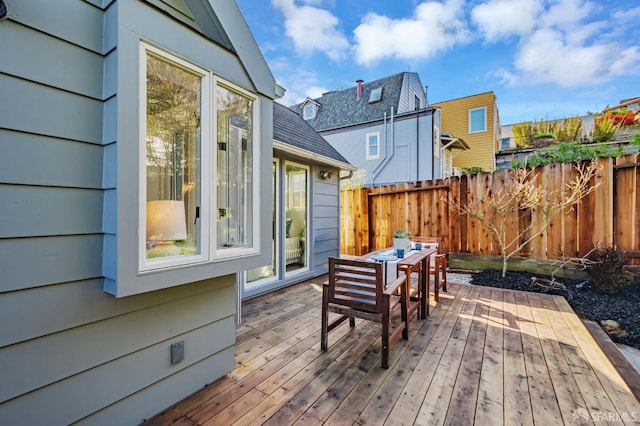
<point x="411" y="87"/>
<point x="406" y="148"/>
<point x="69" y="352"/>
<point x="326" y="219"/>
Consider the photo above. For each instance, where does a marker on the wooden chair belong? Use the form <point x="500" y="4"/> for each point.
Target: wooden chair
<point x="438" y="264"/>
<point x="356" y="289"/>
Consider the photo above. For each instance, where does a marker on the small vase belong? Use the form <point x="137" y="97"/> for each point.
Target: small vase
<point x="401" y="243"/>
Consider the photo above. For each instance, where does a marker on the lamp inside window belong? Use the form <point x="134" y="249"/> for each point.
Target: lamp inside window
<point x="166" y="223"/>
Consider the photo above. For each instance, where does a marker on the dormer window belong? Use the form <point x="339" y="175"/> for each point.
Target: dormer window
<point x="375" y="95"/>
<point x="309" y="111"/>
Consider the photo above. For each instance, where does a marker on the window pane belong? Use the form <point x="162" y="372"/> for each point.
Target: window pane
<point x="172" y="159"/>
<point x="476" y="120"/>
<point x="372" y="145"/>
<point x="235" y="168"/>
<point x="296" y="184"/>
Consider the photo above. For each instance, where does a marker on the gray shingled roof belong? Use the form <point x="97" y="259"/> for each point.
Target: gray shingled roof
<point x="343" y="108"/>
<point x="290" y="128"/>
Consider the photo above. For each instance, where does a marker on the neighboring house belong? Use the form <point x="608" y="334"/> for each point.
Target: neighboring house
<point x="136" y="166"/>
<point x="384" y="126"/>
<point x="305" y="205"/>
<point x="475" y="119"/>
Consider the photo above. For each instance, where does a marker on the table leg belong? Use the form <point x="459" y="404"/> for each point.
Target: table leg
<point x="424" y="300"/>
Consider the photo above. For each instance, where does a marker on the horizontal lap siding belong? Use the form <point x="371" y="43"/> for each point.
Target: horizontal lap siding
<point x="33" y="262"/>
<point x="101" y="348"/>
<point x="326" y="220"/>
<point x="455" y="120"/>
<point x="68" y="350"/>
<point x="38" y="160"/>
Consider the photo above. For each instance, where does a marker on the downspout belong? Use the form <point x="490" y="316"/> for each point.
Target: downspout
<point x="417" y="145"/>
<point x="433" y="153"/>
<point x="389" y="155"/>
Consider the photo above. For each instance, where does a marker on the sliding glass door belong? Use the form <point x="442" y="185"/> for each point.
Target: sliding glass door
<point x="296" y="187"/>
<point x="268" y="273"/>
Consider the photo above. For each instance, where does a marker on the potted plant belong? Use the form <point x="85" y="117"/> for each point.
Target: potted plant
<point x="401" y="239"/>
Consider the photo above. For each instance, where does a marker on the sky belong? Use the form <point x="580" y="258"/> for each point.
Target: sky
<point x="543" y="59"/>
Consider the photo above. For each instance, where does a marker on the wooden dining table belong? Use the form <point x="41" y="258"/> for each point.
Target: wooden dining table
<point x="414" y="260"/>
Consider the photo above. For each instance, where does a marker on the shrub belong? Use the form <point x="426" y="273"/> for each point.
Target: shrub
<point x="605" y="268"/>
<point x="567" y="152"/>
<point x="472" y="170"/>
<point x="636" y="141"/>
<point x="567" y="130"/>
<point x="604" y="128"/>
<point x="570" y="130"/>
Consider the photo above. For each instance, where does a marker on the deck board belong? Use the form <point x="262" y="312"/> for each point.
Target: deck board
<point x="483" y="356"/>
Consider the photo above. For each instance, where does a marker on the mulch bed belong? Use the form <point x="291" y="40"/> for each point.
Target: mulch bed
<point x="623" y="307"/>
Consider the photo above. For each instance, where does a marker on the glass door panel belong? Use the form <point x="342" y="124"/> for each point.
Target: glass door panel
<point x="296" y="211"/>
<point x="268" y="272"/>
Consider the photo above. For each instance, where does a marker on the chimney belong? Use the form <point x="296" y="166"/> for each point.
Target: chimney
<point x="359" y="89"/>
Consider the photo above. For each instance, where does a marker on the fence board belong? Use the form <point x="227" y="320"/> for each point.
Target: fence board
<point x="609" y="215"/>
<point x="552" y="177"/>
<point x="570" y="217"/>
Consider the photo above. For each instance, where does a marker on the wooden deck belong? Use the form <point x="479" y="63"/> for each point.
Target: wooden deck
<point x="484" y="356"/>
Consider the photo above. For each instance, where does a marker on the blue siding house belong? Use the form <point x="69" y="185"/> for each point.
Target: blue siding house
<point x="136" y="158"/>
<point x="385" y="127"/>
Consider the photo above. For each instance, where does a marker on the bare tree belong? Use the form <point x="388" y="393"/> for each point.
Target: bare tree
<point x="495" y="210"/>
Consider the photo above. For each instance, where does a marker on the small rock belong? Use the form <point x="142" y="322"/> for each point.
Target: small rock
<point x="613" y="328"/>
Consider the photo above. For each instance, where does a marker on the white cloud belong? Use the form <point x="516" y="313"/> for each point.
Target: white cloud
<point x="569" y="43"/>
<point x="627" y="14"/>
<point x="312" y="29"/>
<point x="299" y="84"/>
<point x="434" y="27"/>
<point x="627" y="62"/>
<point x="546" y="57"/>
<point x="506" y="77"/>
<point x="566" y="13"/>
<point x="504" y="18"/>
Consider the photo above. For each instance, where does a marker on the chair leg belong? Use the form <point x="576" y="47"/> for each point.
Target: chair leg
<point x="324" y="336"/>
<point x="404" y="310"/>
<point x="385" y="333"/>
<point x="352" y="322"/>
<point x="444" y="275"/>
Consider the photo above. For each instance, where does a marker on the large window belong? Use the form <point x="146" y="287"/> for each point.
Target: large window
<point x="235" y="168"/>
<point x="373" y="145"/>
<point x="478" y="120"/>
<point x="183" y="220"/>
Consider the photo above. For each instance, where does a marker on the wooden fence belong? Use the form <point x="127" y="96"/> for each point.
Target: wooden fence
<point x="609" y="215"/>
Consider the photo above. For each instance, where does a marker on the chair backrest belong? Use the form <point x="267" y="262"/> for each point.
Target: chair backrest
<point x="435" y="242"/>
<point x="430" y="242"/>
<point x="358" y="284"/>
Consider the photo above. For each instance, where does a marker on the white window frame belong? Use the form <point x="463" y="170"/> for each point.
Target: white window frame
<point x="225" y="253"/>
<point x="417" y="97"/>
<point x="367" y="146"/>
<point x="375" y="95"/>
<point x="484" y="127"/>
<point x="209" y="253"/>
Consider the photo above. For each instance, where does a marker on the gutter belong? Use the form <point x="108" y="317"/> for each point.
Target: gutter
<point x="289" y="149"/>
